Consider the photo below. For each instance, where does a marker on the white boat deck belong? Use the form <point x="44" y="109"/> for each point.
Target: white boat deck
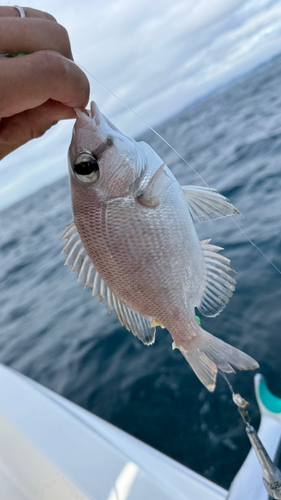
<point x="51" y="449"/>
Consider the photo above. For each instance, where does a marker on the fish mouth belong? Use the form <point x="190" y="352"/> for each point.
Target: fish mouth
<point x="96" y="118"/>
<point x="84" y="114"/>
<point x="89" y="115"/>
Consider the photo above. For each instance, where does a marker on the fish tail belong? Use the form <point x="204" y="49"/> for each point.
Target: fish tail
<point x="207" y="354"/>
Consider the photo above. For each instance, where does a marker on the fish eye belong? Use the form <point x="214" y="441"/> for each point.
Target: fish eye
<point x="86" y="168"/>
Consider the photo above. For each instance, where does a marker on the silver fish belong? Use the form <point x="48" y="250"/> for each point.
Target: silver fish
<point x="133" y="241"/>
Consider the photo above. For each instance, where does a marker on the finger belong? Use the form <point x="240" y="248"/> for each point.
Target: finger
<point x="29" y="81"/>
<point x="31" y="35"/>
<point x="12" y="12"/>
<point x="23" y="127"/>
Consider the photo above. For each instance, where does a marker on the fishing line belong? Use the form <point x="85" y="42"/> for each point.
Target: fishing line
<point x="254" y="245"/>
<point x="180" y="156"/>
<point x="147" y="124"/>
<point x="227" y="381"/>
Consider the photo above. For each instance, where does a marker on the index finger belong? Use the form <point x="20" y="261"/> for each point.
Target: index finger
<point x="29" y="81"/>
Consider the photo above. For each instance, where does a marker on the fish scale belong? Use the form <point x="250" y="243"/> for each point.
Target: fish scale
<point x="146" y="262"/>
<point x="141" y="251"/>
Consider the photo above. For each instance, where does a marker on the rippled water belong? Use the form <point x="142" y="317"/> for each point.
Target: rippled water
<point x="56" y="333"/>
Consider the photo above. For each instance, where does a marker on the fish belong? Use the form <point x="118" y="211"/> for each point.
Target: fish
<point x="133" y="240"/>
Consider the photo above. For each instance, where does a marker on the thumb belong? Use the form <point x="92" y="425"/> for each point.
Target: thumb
<point x="31" y="124"/>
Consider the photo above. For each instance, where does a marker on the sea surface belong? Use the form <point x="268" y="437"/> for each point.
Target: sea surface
<point x="53" y="331"/>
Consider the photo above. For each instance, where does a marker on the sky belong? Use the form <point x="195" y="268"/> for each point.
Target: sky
<point x="157" y="56"/>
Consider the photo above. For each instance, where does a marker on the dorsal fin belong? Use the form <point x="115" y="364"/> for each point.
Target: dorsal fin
<point x="77" y="257"/>
<point x="219" y="286"/>
<point x="207" y="204"/>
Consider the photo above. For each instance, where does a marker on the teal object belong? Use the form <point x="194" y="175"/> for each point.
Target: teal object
<point x="21" y="54"/>
<point x="197" y="319"/>
<point x="271" y="402"/>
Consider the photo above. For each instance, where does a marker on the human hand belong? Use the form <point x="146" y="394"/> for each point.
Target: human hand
<point x="38" y="89"/>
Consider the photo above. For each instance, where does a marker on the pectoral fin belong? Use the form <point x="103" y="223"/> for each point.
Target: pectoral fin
<point x="157" y="185"/>
<point x="207" y="204"/>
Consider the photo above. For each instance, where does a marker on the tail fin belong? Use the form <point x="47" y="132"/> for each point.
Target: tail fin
<point x="206" y="354"/>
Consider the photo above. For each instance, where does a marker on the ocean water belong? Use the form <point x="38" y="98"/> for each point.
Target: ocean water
<point x="53" y="331"/>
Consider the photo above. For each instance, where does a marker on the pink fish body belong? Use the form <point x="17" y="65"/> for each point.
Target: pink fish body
<point x="133" y="241"/>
